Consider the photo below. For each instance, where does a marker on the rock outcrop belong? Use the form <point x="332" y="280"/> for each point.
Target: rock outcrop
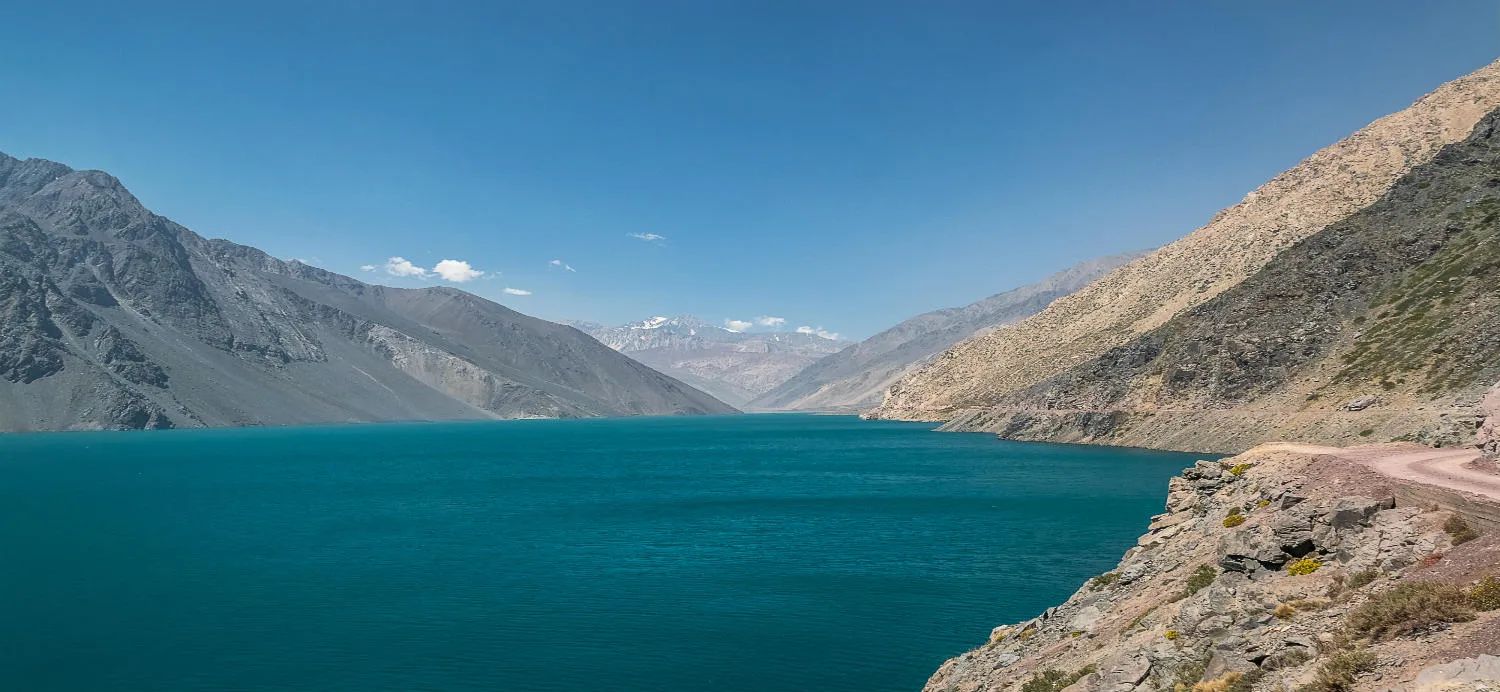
<point x="114" y="317"/>
<point x="1333" y="282"/>
<point x="1488" y="437"/>
<point x="856" y="377"/>
<point x="1273" y="570"/>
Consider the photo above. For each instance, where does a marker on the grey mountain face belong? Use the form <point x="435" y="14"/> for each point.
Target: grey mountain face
<point x="856" y="377"/>
<point x="733" y="366"/>
<point x="114" y="317"/>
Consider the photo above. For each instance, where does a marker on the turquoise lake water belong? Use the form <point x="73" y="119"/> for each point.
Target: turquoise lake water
<point x="749" y="553"/>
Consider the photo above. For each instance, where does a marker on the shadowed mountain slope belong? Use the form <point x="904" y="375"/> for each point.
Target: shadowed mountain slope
<point x="114" y="317"/>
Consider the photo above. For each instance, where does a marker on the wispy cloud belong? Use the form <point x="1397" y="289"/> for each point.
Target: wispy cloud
<point x="367" y="268"/>
<point x="517" y="291"/>
<point x="398" y="266"/>
<point x="648" y="237"/>
<point x="818" y="331"/>
<point x="457" y="271"/>
<point x="738" y="325"/>
<point x="563" y="266"/>
<point x="768" y="321"/>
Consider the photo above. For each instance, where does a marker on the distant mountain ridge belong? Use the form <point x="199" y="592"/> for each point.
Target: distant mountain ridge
<point x="733" y="366"/>
<point x="856" y="377"/>
<point x="114" y="317"/>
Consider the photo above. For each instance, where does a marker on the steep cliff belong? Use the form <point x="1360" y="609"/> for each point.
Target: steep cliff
<point x="857" y="376"/>
<point x="114" y="317"/>
<point x="1282" y="569"/>
<point x="1345" y="300"/>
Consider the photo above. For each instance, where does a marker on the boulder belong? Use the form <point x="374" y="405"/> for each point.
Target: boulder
<point x="1459" y="675"/>
<point x="1362" y="403"/>
<point x="1123" y="673"/>
<point x="1348" y="512"/>
<point x="1251" y="549"/>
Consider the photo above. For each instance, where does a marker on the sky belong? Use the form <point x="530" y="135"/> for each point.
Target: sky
<point x="840" y="166"/>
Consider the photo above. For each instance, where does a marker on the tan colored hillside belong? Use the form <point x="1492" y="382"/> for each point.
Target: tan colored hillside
<point x="1236" y="244"/>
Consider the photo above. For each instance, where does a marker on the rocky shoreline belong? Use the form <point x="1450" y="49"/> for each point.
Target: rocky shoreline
<point x="1277" y="569"/>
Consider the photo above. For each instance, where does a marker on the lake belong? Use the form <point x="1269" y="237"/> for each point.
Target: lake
<point x="763" y="553"/>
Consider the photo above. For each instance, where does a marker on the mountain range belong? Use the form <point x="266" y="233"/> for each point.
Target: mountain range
<point x="856" y="377"/>
<point x="734" y="366"/>
<point x="114" y="317"/>
<point x="1353" y="298"/>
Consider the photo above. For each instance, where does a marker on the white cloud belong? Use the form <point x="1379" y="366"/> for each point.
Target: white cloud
<point x="818" y="331"/>
<point x="397" y="266"/>
<point x="517" y="291"/>
<point x="367" y="268"/>
<point x="648" y="237"/>
<point x="562" y="265"/>
<point x="766" y="321"/>
<point x="457" y="271"/>
<point x="738" y="325"/>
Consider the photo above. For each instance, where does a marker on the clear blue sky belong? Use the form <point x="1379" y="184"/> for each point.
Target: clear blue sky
<point x="838" y="164"/>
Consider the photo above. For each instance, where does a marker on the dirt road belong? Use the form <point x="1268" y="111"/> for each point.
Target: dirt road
<point x="1455" y="469"/>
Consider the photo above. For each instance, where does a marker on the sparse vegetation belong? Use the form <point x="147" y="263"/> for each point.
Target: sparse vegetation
<point x="1201" y="578"/>
<point x="1363" y="577"/>
<point x="1054" y="680"/>
<point x="1189" y="673"/>
<point x="1284" y="611"/>
<point x="1459" y="530"/>
<point x="1103" y="581"/>
<point x="1337" y="674"/>
<point x="1302" y="567"/>
<point x="1233" y="520"/>
<point x="1223" y="684"/>
<point x="1172" y="634"/>
<point x="1262" y="503"/>
<point x="1240" y="469"/>
<point x="1485" y="596"/>
<point x="1409" y="607"/>
<point x="1367" y="432"/>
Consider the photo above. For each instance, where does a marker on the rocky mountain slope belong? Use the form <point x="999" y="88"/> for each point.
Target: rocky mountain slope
<point x="733" y="366"/>
<point x="1348" y="299"/>
<point x="114" y="317"/>
<point x="856" y="377"/>
<point x="1275" y="570"/>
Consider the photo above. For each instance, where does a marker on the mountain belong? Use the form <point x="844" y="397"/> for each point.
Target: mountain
<point x="114" y="317"/>
<point x="1351" y="298"/>
<point x="857" y="376"/>
<point x="733" y="366"/>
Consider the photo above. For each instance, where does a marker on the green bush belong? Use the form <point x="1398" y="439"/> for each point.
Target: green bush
<point x="1409" y="607"/>
<point x="1302" y="567"/>
<point x="1233" y="520"/>
<point x="1201" y="577"/>
<point x="1240" y="469"/>
<point x="1459" y="530"/>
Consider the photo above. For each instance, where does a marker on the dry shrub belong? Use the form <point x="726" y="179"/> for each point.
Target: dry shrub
<point x="1459" y="530"/>
<point x="1337" y="674"/>
<point x="1410" y="607"/>
<point x="1218" y="685"/>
